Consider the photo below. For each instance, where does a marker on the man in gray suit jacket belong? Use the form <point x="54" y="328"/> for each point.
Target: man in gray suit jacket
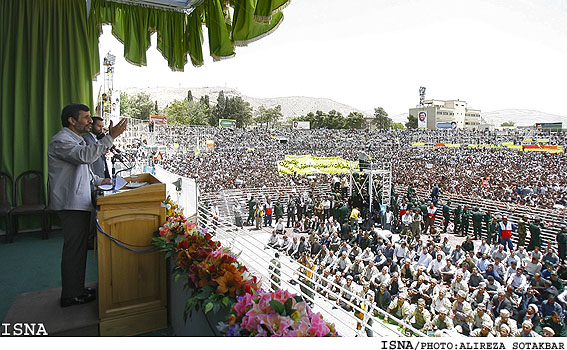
<point x="70" y="180"/>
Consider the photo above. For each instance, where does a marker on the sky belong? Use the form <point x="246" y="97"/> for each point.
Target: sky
<point x="494" y="54"/>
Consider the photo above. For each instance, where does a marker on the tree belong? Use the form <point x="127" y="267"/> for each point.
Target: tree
<point x="508" y="123"/>
<point x="238" y="109"/>
<point x="268" y="115"/>
<point x="354" y="120"/>
<point x="412" y="122"/>
<point x="186" y="113"/>
<point x="218" y="111"/>
<point x="399" y="126"/>
<point x="334" y="120"/>
<point x="381" y="120"/>
<point x="139" y="106"/>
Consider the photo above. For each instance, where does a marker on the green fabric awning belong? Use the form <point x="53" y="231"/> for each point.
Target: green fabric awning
<point x="49" y="56"/>
<point x="180" y="34"/>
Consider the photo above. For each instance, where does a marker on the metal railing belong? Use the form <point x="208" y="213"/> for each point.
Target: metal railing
<point x="257" y="257"/>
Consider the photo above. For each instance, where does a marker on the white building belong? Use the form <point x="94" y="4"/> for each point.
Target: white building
<point x="440" y="114"/>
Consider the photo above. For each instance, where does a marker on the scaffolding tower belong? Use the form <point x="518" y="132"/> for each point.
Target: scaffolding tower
<point x="377" y="171"/>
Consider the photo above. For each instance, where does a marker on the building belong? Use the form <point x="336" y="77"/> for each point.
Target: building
<point x="440" y="114"/>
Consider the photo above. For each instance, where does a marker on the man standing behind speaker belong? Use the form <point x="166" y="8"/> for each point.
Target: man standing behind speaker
<point x="70" y="180"/>
<point x="99" y="167"/>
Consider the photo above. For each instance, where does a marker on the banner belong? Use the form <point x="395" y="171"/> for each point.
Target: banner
<point x="308" y="165"/>
<point x="301" y="125"/>
<point x="418" y="144"/>
<point x="115" y="106"/>
<point x="422" y="120"/>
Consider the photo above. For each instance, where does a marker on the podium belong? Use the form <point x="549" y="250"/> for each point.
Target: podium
<point x="132" y="294"/>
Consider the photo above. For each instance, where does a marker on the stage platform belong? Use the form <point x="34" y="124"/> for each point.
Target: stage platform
<point x="43" y="307"/>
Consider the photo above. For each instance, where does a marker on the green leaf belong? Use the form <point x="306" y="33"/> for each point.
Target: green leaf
<point x="288" y="306"/>
<point x="278" y="307"/>
<point x="208" y="307"/>
<point x="225" y="301"/>
<point x="216" y="307"/>
<point x="298" y="298"/>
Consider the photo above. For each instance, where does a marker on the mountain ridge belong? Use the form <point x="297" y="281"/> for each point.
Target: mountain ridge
<point x="294" y="106"/>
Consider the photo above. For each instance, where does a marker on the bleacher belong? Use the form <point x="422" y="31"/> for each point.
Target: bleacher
<point x="552" y="218"/>
<point x="225" y="199"/>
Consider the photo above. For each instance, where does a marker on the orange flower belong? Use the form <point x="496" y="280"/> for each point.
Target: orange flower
<point x="228" y="283"/>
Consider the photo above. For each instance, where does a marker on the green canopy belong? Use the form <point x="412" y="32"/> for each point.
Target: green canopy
<point x="49" y="56"/>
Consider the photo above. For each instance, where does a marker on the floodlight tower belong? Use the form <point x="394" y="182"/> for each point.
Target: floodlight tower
<point x="421" y="95"/>
<point x="108" y="64"/>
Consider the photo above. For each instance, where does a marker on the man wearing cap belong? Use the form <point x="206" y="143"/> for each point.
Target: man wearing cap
<point x="522" y="230"/>
<point x="347" y="295"/>
<point x="441" y="321"/>
<point x="505" y="229"/>
<point x="480" y="317"/>
<point x="535" y="231"/>
<point x="480" y="296"/>
<point x="419" y="316"/>
<point x="399" y="307"/>
<point x="485" y="330"/>
<point x="547" y="332"/>
<point x="561" y="239"/>
<point x="505" y="319"/>
<point x="527" y="330"/>
<point x="462" y="312"/>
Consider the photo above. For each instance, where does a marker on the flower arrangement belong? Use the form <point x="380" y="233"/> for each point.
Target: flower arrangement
<point x="172" y="209"/>
<point x="218" y="281"/>
<point x="277" y="314"/>
<point x="213" y="274"/>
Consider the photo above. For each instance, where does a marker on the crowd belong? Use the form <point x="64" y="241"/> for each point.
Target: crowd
<point x="244" y="158"/>
<point x="476" y="286"/>
<point x="396" y="261"/>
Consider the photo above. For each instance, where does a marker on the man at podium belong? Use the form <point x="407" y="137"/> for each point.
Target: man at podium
<point x="70" y="181"/>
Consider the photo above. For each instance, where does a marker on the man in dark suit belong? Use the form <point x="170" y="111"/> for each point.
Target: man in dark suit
<point x="98" y="167"/>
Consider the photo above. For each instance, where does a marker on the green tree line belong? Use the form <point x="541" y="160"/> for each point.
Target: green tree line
<point x="190" y="111"/>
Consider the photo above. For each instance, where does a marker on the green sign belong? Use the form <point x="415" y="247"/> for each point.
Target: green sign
<point x="227" y="123"/>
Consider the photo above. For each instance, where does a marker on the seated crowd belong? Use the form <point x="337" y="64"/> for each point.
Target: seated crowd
<point x="439" y="285"/>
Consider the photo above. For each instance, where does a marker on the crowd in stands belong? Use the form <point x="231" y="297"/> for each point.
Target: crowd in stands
<point x="397" y="262"/>
<point x="248" y="158"/>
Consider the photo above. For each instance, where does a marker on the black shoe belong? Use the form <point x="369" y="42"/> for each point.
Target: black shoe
<point x="88" y="290"/>
<point x="82" y="299"/>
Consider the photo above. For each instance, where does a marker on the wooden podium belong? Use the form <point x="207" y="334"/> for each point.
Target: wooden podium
<point x="132" y="294"/>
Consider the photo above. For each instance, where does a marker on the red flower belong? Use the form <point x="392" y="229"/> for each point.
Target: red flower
<point x="182" y="245"/>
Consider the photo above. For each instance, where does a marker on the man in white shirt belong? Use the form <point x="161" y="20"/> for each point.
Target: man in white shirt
<point x="518" y="281"/>
<point x="434" y="268"/>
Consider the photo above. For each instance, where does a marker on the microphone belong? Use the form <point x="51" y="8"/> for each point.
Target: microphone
<point x="112" y="148"/>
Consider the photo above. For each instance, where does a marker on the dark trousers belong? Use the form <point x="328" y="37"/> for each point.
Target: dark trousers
<point x="76" y="226"/>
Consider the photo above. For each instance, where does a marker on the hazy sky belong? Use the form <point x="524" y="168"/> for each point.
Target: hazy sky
<point x="494" y="54"/>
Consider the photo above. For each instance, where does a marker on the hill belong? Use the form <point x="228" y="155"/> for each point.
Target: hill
<point x="292" y="106"/>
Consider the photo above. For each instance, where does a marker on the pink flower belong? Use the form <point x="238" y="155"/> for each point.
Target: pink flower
<point x="241" y="306"/>
<point x="276" y="324"/>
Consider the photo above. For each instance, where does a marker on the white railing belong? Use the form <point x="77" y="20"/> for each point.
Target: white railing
<point x="257" y="257"/>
